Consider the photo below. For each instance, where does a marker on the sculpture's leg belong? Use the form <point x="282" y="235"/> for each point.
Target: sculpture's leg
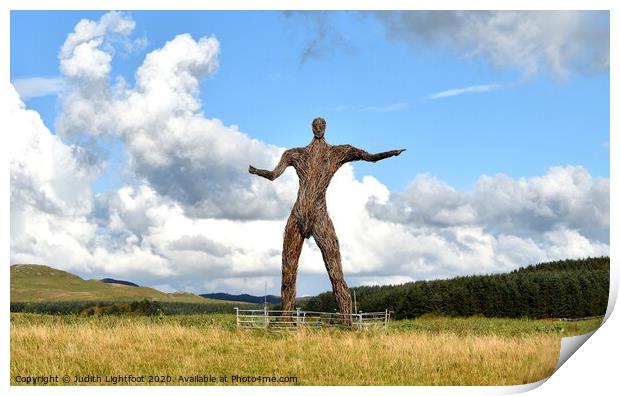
<point x="326" y="239"/>
<point x="293" y="242"/>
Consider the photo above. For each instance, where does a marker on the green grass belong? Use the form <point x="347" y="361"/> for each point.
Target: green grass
<point x="425" y="351"/>
<point x="475" y="325"/>
<point x="479" y="325"/>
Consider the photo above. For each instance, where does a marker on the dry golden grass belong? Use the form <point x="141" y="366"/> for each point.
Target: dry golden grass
<point x="179" y="347"/>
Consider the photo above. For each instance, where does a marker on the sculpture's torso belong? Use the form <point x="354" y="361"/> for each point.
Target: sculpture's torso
<point x="315" y="164"/>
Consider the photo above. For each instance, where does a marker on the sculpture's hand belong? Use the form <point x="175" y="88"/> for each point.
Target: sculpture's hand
<point x="252" y="170"/>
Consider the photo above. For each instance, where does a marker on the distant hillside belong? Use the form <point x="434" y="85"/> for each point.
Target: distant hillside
<point x="559" y="289"/>
<point x="588" y="264"/>
<point x="118" y="282"/>
<point x="271" y="299"/>
<point x="40" y="283"/>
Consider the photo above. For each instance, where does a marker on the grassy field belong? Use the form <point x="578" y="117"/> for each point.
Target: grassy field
<point x="173" y="350"/>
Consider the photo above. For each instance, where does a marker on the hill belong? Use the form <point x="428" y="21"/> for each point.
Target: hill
<point x="271" y="299"/>
<point x="559" y="289"/>
<point x="118" y="282"/>
<point x="40" y="283"/>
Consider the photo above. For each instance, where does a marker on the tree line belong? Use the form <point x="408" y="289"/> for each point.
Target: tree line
<point x="559" y="289"/>
<point x="144" y="307"/>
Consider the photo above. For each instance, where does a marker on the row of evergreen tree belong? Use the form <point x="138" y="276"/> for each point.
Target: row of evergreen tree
<point x="559" y="289"/>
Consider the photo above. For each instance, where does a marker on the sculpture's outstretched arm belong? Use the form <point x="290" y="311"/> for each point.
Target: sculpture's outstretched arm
<point x="351" y="153"/>
<point x="276" y="172"/>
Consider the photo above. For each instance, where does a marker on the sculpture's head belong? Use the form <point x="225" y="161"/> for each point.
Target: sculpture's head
<point x="318" y="127"/>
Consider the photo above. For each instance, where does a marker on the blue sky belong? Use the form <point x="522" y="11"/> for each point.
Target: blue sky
<point x="373" y="92"/>
<point x="531" y="104"/>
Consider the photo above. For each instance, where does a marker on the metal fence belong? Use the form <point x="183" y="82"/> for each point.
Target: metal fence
<point x="271" y="319"/>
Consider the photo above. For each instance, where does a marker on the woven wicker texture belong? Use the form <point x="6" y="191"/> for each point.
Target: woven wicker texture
<point x="315" y="165"/>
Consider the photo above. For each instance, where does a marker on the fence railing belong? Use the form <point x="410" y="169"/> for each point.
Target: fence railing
<point x="273" y="319"/>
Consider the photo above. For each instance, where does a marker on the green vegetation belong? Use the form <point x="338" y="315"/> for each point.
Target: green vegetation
<point x="144" y="307"/>
<point x="478" y="325"/>
<point x="431" y="324"/>
<point x="561" y="289"/>
<point x="110" y="307"/>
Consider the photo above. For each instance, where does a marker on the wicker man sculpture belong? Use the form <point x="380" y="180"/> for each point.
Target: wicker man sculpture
<point x="315" y="165"/>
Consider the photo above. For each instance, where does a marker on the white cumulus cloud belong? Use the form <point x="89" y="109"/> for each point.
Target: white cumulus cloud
<point x="197" y="161"/>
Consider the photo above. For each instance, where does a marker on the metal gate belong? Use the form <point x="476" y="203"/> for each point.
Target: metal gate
<point x="273" y="319"/>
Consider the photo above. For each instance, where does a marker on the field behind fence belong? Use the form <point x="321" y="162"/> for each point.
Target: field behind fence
<point x="426" y="351"/>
